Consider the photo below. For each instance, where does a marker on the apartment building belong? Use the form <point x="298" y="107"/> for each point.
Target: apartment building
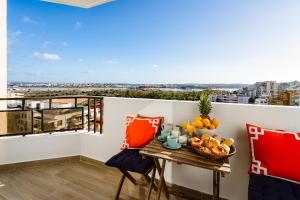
<point x="266" y="88"/>
<point x="230" y="99"/>
<point x="288" y="98"/>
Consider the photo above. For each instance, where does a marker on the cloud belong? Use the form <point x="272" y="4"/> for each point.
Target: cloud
<point x="28" y="20"/>
<point x="112" y="62"/>
<point x="88" y="71"/>
<point x="14" y="37"/>
<point x="46" y="43"/>
<point x="78" y="25"/>
<point x="156" y="66"/>
<point x="46" y="56"/>
<point x="64" y="44"/>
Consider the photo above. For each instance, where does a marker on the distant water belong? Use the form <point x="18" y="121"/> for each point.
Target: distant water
<point x="196" y="90"/>
<point x="52" y="89"/>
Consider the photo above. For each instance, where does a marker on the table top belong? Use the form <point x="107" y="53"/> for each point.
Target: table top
<point x="185" y="155"/>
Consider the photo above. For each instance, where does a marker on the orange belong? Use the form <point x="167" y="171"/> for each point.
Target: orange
<point x="194" y="124"/>
<point x="198" y="124"/>
<point x="206" y="122"/>
<point x="190" y="128"/>
<point x="215" y="122"/>
<point x="198" y="118"/>
<point x="212" y="127"/>
<point x="184" y="124"/>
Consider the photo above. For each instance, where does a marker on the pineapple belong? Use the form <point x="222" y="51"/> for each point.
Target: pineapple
<point x="205" y="106"/>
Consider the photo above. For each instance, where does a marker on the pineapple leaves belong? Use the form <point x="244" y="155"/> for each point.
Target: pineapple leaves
<point x="205" y="106"/>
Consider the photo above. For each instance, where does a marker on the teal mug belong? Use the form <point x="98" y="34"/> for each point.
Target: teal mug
<point x="172" y="141"/>
<point x="164" y="134"/>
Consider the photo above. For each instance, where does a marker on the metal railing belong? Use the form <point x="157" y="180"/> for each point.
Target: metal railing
<point x="33" y="115"/>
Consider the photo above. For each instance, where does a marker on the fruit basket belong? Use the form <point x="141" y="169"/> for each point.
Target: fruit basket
<point x="202" y="123"/>
<point x="213" y="148"/>
<point x="211" y="156"/>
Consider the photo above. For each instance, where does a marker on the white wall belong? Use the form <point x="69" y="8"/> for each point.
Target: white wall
<point x="233" y="118"/>
<point x="3" y="49"/>
<point x="38" y="147"/>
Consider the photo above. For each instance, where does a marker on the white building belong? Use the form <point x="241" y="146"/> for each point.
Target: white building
<point x="243" y="100"/>
<point x="266" y="88"/>
<point x="45" y="105"/>
<point x="261" y="101"/>
<point x="230" y="99"/>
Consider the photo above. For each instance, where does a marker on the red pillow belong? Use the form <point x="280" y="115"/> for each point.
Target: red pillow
<point x="140" y="131"/>
<point x="274" y="153"/>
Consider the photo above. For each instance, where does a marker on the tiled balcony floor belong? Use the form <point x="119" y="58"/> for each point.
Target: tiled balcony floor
<point x="65" y="181"/>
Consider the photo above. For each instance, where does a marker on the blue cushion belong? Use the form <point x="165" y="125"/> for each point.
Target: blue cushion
<point x="269" y="188"/>
<point x="131" y="160"/>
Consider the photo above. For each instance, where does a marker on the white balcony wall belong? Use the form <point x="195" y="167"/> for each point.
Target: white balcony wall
<point x="3" y="50"/>
<point x="17" y="149"/>
<point x="232" y="117"/>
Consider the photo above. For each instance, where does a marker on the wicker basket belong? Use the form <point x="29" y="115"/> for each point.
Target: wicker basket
<point x="216" y="157"/>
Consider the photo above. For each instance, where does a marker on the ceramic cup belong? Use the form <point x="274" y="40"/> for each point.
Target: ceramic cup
<point x="176" y="132"/>
<point x="167" y="127"/>
<point x="164" y="134"/>
<point x="172" y="141"/>
<point x="182" y="139"/>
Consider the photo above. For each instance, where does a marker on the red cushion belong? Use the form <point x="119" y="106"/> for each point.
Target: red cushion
<point x="274" y="153"/>
<point x="140" y="131"/>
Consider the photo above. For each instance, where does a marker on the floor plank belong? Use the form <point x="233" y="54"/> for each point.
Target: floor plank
<point x="68" y="181"/>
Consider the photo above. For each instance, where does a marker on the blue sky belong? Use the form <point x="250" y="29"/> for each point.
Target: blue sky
<point x="155" y="41"/>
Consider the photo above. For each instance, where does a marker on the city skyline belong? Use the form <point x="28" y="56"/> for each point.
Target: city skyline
<point x="154" y="42"/>
<point x="191" y="83"/>
<point x="264" y="93"/>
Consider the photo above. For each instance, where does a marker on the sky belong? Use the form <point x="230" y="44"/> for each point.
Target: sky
<point x="155" y="41"/>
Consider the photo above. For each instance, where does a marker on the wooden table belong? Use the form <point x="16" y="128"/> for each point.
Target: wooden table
<point x="185" y="155"/>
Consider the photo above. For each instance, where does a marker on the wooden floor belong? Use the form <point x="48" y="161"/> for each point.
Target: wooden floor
<point x="67" y="181"/>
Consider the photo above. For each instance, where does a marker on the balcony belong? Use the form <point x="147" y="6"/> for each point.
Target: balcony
<point x="56" y="156"/>
<point x="54" y="150"/>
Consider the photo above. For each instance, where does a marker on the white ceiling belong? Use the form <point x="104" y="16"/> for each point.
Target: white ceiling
<point x="80" y="3"/>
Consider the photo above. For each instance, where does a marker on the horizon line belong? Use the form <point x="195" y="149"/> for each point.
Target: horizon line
<point x="58" y="82"/>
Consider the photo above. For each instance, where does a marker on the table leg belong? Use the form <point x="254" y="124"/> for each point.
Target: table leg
<point x="216" y="185"/>
<point x="161" y="179"/>
<point x="148" y="179"/>
<point x="159" y="169"/>
<point x="151" y="183"/>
